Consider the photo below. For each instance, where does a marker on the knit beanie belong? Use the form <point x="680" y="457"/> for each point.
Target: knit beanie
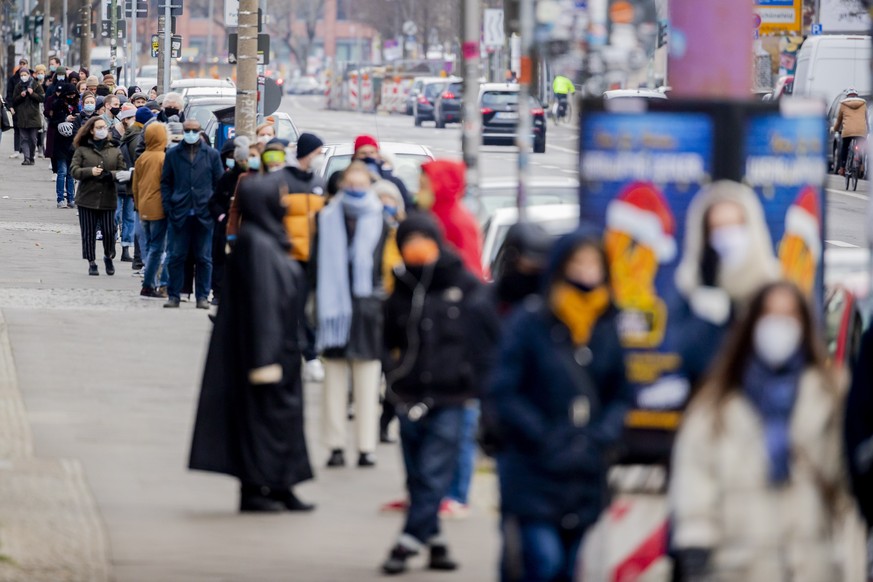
<point x="306" y="144"/>
<point x="143" y="115"/>
<point x="418" y="223"/>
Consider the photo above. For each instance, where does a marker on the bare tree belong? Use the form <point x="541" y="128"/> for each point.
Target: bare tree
<point x="434" y="21"/>
<point x="283" y="16"/>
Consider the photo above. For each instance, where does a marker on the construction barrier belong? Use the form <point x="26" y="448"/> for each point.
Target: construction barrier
<point x="395" y="94"/>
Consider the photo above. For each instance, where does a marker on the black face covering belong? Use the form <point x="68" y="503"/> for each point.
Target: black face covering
<point x="514" y="287"/>
<point x="115" y="111"/>
<point x="169" y="111"/>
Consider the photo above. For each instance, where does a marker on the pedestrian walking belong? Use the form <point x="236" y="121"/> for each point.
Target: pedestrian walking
<point x="440" y="329"/>
<point x="65" y="110"/>
<point x="97" y="164"/>
<point x="349" y="249"/>
<point x="250" y="415"/>
<point x="27" y="97"/>
<point x="11" y="84"/>
<point x="234" y="157"/>
<point x="125" y="216"/>
<point x="859" y="428"/>
<point x="191" y="172"/>
<point x="137" y="146"/>
<point x="146" y="186"/>
<point x="758" y="475"/>
<point x="39" y="76"/>
<point x="558" y="398"/>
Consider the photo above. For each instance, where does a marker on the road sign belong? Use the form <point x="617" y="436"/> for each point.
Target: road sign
<point x="817" y="29"/>
<point x="105" y="9"/>
<point x="106" y="28"/>
<point x="231" y="12"/>
<point x="779" y="16"/>
<point x="77" y="31"/>
<point x="263" y="48"/>
<point x="156" y="45"/>
<point x="142" y="8"/>
<point x="410" y="28"/>
<point x="176" y="47"/>
<point x="494" y="35"/>
<point x="272" y="96"/>
<point x="175" y="7"/>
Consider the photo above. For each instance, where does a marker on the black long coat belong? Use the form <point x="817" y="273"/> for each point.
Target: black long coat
<point x="255" y="432"/>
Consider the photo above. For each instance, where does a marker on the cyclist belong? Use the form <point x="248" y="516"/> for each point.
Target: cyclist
<point x="562" y="87"/>
<point x="851" y="123"/>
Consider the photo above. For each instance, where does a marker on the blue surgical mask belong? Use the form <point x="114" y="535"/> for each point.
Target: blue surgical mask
<point x="89" y="108"/>
<point x="254" y="163"/>
<point x="53" y="68"/>
<point x="230" y="163"/>
<point x="61" y="78"/>
<point x="391" y="211"/>
<point x="191" y="137"/>
<point x="355" y="193"/>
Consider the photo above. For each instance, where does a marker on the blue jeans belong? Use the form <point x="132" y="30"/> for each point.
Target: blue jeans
<point x="125" y="216"/>
<point x="430" y="454"/>
<point x="460" y="489"/>
<point x="64" y="184"/>
<point x="539" y="551"/>
<point x="155" y="239"/>
<point x="191" y="233"/>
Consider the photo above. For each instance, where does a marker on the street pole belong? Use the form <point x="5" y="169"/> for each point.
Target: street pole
<point x="472" y="128"/>
<point x="65" y="48"/>
<point x="134" y="46"/>
<point x="85" y="40"/>
<point x="46" y="30"/>
<point x="247" y="69"/>
<point x="113" y="36"/>
<point x="209" y="36"/>
<point x="525" y="123"/>
<point x="162" y="48"/>
<point x="168" y="46"/>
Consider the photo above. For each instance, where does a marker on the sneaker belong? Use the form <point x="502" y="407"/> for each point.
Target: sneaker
<point x="163" y="291"/>
<point x="110" y="268"/>
<point x="451" y="509"/>
<point x="71" y="205"/>
<point x="396" y="562"/>
<point x="137" y="264"/>
<point x="14" y="155"/>
<point x="172" y="303"/>
<point x="150" y="293"/>
<point x="366" y="460"/>
<point x="398" y="505"/>
<point x="99" y="235"/>
<point x="313" y="371"/>
<point x="202" y="304"/>
<point x="92" y="269"/>
<point x="337" y="459"/>
<point x="440" y="559"/>
<point x="62" y="204"/>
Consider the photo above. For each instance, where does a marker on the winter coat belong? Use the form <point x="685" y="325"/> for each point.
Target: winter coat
<point x="721" y="498"/>
<point x="126" y="141"/>
<point x="146" y="180"/>
<point x="97" y="192"/>
<point x="859" y="428"/>
<point x="852" y="118"/>
<point x="255" y="431"/>
<point x="456" y="331"/>
<point x="220" y="202"/>
<point x="62" y="146"/>
<point x="28" y="111"/>
<point x="187" y="182"/>
<point x="304" y="200"/>
<point x="461" y="229"/>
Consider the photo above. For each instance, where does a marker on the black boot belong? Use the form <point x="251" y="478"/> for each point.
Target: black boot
<point x="92" y="269"/>
<point x="110" y="268"/>
<point x="439" y="558"/>
<point x="396" y="562"/>
<point x="125" y="255"/>
<point x="385" y="436"/>
<point x="258" y="500"/>
<point x="366" y="460"/>
<point x="291" y="501"/>
<point x="337" y="459"/>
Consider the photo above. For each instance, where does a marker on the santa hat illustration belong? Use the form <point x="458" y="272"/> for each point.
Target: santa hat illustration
<point x="642" y="212"/>
<point x="804" y="220"/>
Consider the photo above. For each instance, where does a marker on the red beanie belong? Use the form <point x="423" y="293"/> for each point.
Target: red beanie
<point x="365" y="140"/>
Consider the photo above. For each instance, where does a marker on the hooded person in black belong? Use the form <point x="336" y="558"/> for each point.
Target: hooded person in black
<point x="250" y="415"/>
<point x="439" y="331"/>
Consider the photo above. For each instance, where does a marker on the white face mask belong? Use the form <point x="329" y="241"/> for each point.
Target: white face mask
<point x="731" y="243"/>
<point x="264" y="138"/>
<point x="317" y="164"/>
<point x="776" y="339"/>
<point x="101" y="133"/>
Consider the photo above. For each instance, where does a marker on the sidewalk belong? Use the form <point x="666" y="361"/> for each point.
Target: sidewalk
<point x="96" y="486"/>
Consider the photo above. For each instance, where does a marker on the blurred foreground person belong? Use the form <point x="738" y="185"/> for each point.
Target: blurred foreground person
<point x="859" y="429"/>
<point x="250" y="417"/>
<point x="558" y="399"/>
<point x="758" y="473"/>
<point x="439" y="333"/>
<point x="520" y="264"/>
<point x="234" y="157"/>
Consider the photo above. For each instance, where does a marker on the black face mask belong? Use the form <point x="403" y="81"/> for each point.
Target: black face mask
<point x="514" y="287"/>
<point x="115" y="111"/>
<point x="170" y="111"/>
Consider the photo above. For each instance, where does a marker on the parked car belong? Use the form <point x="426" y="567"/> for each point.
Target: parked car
<point x="498" y="103"/>
<point x="148" y="76"/>
<point x="557" y="220"/>
<point x="202" y="108"/>
<point x="406" y="159"/>
<point x="784" y="86"/>
<point x="827" y="64"/>
<point x="423" y="107"/>
<point x="204" y="87"/>
<point x="415" y="91"/>
<point x="497" y="194"/>
<point x="305" y="86"/>
<point x="285" y="129"/>
<point x="834" y="137"/>
<point x="449" y="105"/>
<point x="848" y="304"/>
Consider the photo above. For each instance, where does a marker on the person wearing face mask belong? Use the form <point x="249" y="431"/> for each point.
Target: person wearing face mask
<point x="757" y="478"/>
<point x="125" y="216"/>
<point x="234" y="156"/>
<point x="252" y="168"/>
<point x="347" y="270"/>
<point x="53" y="92"/>
<point x="146" y="190"/>
<point x="440" y="330"/>
<point x="111" y="109"/>
<point x="265" y="132"/>
<point x="28" y="96"/>
<point x="89" y="110"/>
<point x="11" y="83"/>
<point x="99" y="166"/>
<point x="558" y="396"/>
<point x="172" y="105"/>
<point x="366" y="151"/>
<point x="190" y="175"/>
<point x="65" y="109"/>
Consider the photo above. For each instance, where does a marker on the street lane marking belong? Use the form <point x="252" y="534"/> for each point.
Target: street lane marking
<point x="563" y="149"/>
<point x="849" y="194"/>
<point x="841" y="244"/>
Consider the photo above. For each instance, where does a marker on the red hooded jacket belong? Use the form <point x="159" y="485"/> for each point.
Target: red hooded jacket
<point x="461" y="229"/>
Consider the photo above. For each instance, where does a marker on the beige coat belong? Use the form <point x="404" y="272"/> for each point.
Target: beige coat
<point x="852" y="118"/>
<point x="721" y="499"/>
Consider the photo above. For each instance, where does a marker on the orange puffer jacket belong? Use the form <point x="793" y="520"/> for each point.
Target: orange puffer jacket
<point x="300" y="223"/>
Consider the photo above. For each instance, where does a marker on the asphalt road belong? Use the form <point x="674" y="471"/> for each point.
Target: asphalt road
<point x="845" y="213"/>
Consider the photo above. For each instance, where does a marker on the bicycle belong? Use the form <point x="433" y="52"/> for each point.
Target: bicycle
<point x="560" y="110"/>
<point x="855" y="167"/>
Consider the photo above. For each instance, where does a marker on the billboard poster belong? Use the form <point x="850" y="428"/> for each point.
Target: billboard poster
<point x="779" y="16"/>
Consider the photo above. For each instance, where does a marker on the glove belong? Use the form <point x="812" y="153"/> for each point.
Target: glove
<point x="123" y="176"/>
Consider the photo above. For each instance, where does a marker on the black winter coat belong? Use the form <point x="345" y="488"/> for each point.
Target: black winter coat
<point x="255" y="432"/>
<point x="859" y="428"/>
<point x="438" y="351"/>
<point x="556" y="422"/>
<point x="28" y="109"/>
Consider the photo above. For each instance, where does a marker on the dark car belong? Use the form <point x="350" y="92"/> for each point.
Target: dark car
<point x="423" y="107"/>
<point x="834" y="136"/>
<point x="449" y="105"/>
<point x="499" y="105"/>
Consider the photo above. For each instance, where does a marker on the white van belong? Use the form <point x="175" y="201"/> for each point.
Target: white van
<point x="827" y="64"/>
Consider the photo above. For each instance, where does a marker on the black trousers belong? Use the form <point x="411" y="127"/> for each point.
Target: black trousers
<point x="89" y="221"/>
<point x="28" y="139"/>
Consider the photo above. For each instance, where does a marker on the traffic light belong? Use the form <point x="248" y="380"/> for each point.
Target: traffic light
<point x="37" y="28"/>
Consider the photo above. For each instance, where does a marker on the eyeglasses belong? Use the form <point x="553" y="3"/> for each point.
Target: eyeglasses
<point x="194" y="131"/>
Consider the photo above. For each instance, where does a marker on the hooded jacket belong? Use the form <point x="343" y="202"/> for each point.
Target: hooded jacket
<point x="97" y="192"/>
<point x="147" y="174"/>
<point x="28" y="111"/>
<point x="303" y="201"/>
<point x="852" y="118"/>
<point x="552" y="461"/>
<point x="461" y="230"/>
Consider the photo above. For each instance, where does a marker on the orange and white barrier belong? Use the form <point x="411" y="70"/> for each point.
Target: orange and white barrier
<point x="394" y="95"/>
